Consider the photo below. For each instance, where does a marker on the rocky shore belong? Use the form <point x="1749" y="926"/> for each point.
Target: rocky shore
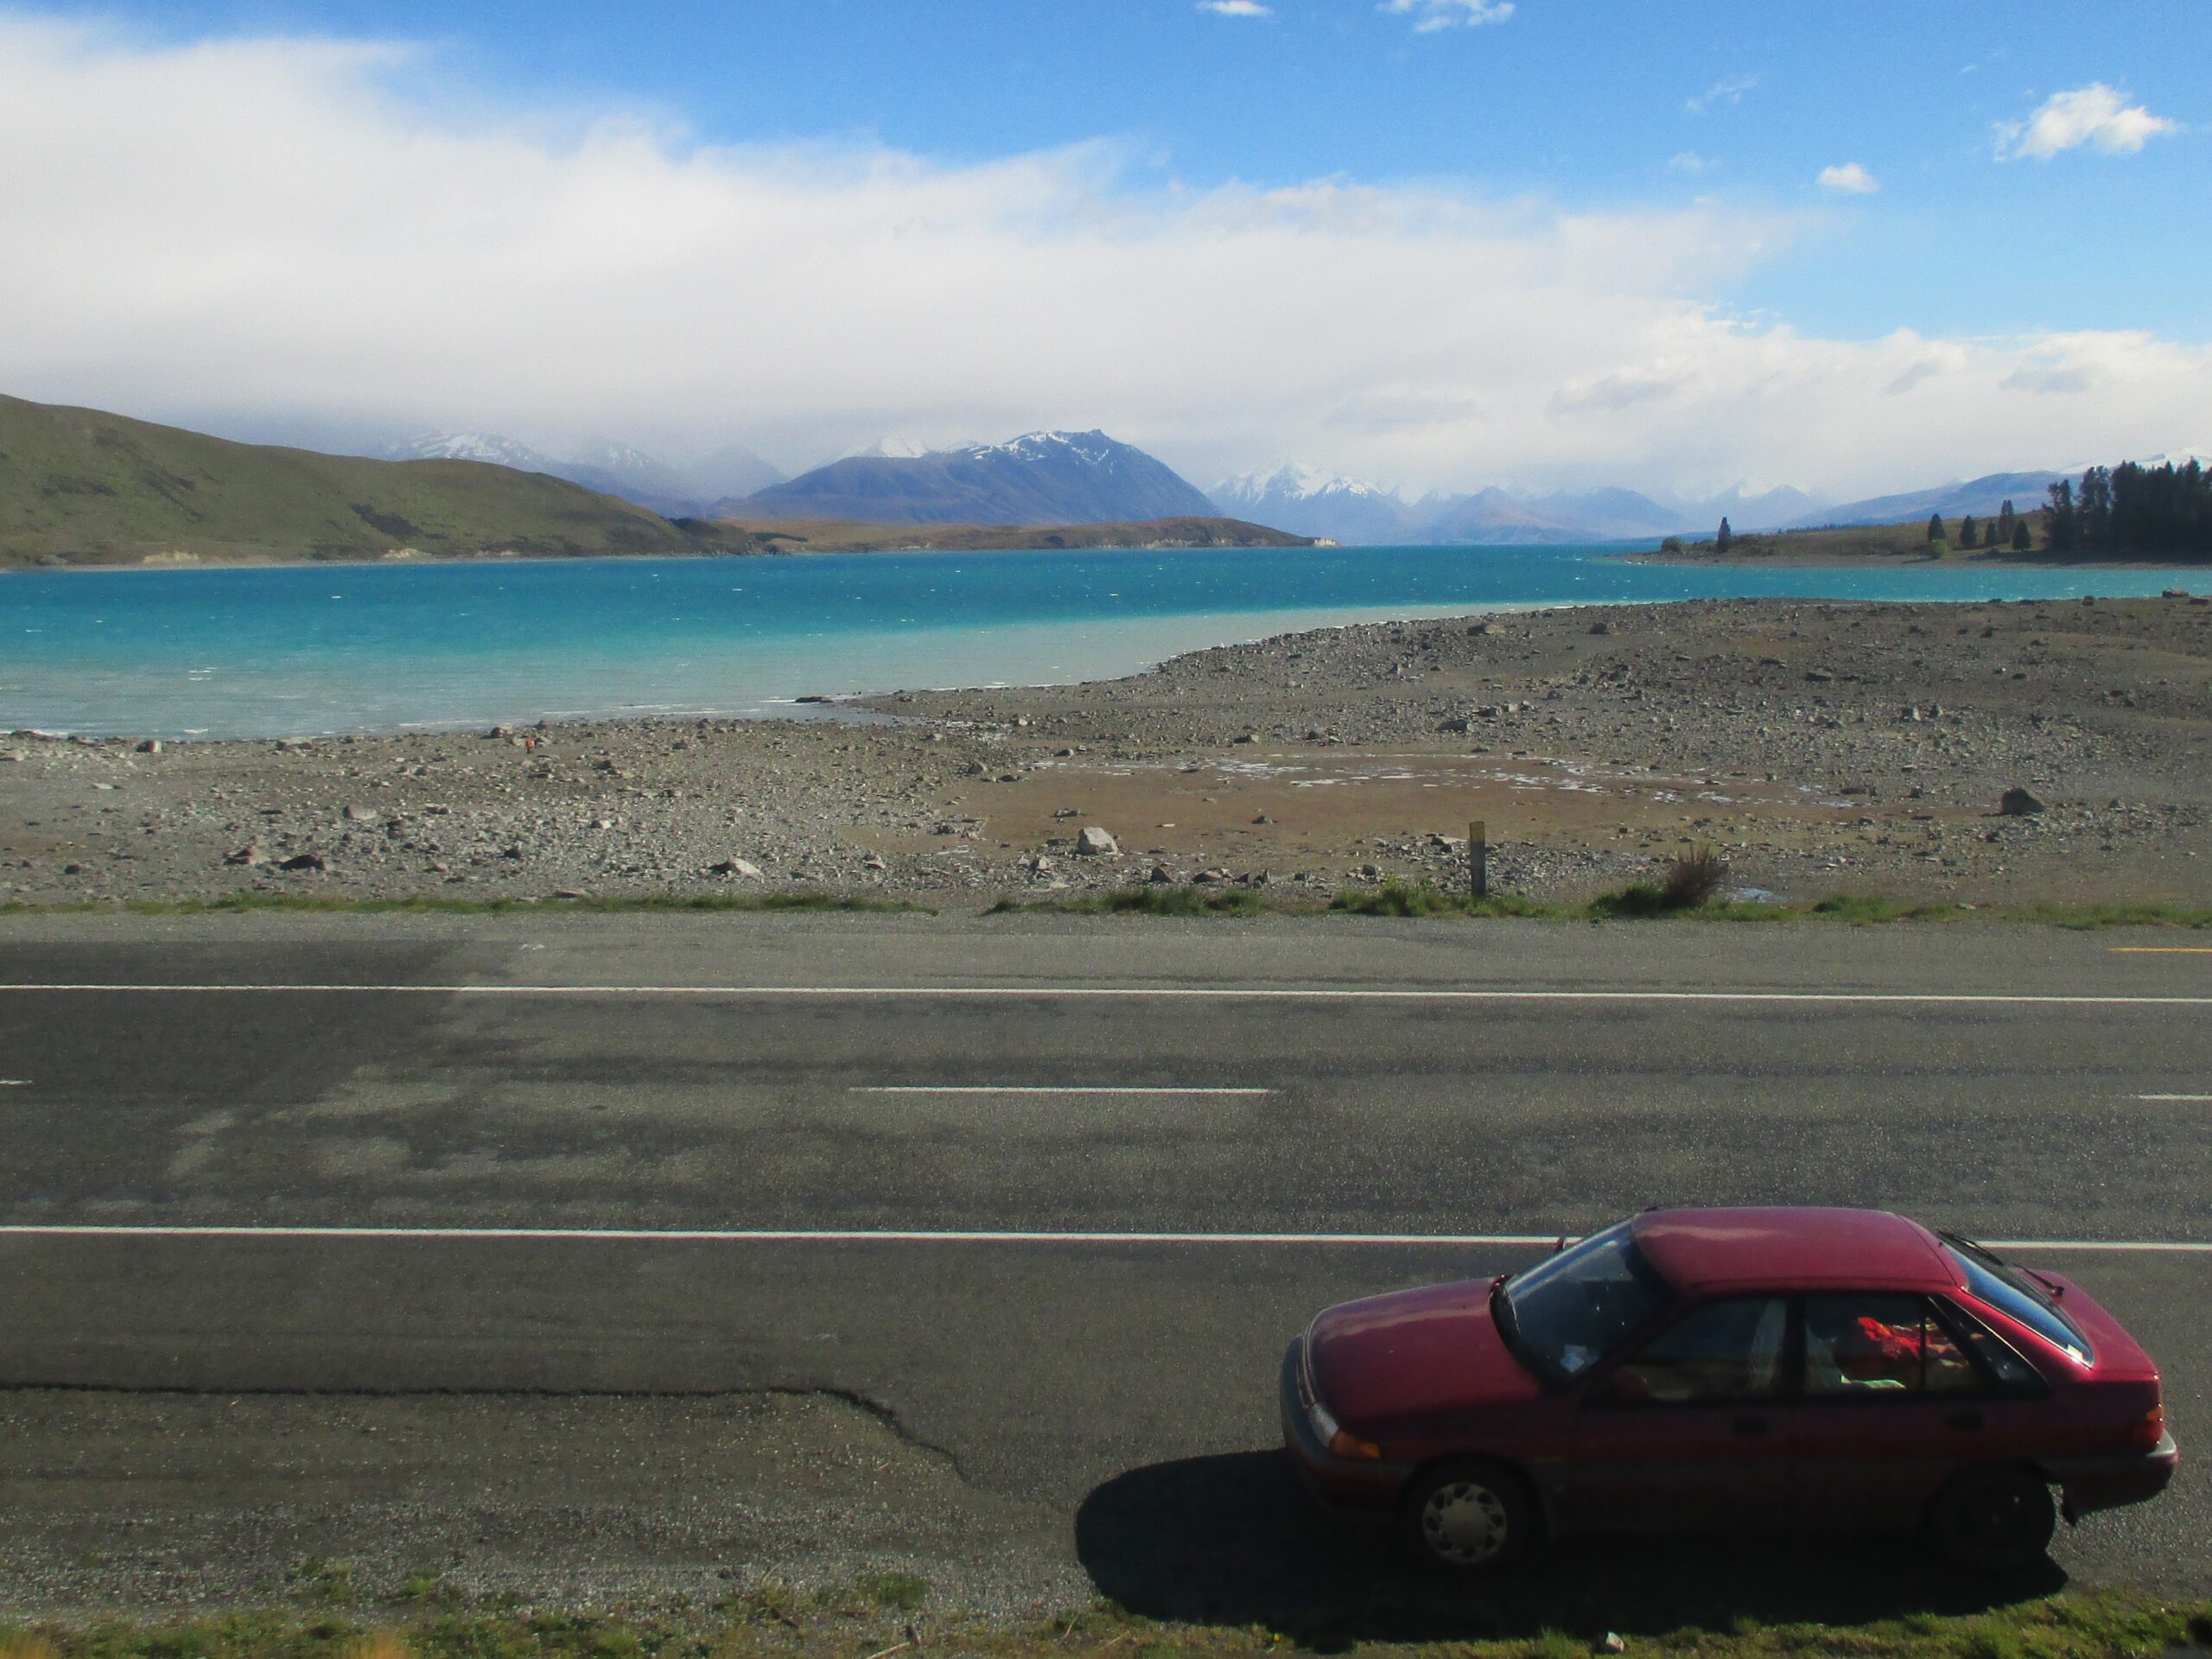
<point x="1818" y="747"/>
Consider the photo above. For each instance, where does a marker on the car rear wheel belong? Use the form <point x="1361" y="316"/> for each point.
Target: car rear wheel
<point x="1469" y="1517"/>
<point x="1995" y="1520"/>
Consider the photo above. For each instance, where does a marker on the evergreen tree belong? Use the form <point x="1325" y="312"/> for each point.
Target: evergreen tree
<point x="2003" y="531"/>
<point x="1721" y="543"/>
<point x="2023" y="542"/>
<point x="1967" y="537"/>
<point x="2094" y="503"/>
<point x="2061" y="526"/>
<point x="1935" y="526"/>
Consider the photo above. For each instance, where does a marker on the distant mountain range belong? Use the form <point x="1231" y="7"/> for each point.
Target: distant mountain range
<point x="82" y="486"/>
<point x="1982" y="497"/>
<point x="611" y="468"/>
<point x="1311" y="503"/>
<point x="1044" y="478"/>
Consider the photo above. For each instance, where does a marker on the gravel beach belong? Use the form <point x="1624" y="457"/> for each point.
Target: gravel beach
<point x="1819" y="746"/>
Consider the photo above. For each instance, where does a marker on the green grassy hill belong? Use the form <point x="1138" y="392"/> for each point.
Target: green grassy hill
<point x="78" y="486"/>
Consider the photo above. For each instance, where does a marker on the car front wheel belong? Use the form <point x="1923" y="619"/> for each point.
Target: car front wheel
<point x="1995" y="1520"/>
<point x="1469" y="1517"/>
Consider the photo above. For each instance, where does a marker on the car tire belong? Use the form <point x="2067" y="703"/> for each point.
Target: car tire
<point x="1469" y="1517"/>
<point x="1994" y="1520"/>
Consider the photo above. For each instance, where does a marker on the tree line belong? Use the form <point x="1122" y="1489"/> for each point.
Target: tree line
<point x="2129" y="509"/>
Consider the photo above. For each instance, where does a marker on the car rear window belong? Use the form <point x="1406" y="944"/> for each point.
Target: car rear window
<point x="2004" y="1287"/>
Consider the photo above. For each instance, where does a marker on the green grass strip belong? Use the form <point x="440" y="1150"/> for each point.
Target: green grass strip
<point x="1642" y="902"/>
<point x="336" y="904"/>
<point x="427" y="1620"/>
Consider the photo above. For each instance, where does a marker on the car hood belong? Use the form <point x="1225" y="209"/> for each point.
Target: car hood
<point x="1412" y="1352"/>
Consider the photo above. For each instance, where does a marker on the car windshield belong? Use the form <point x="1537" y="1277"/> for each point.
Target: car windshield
<point x="1571" y="1311"/>
<point x="2004" y="1287"/>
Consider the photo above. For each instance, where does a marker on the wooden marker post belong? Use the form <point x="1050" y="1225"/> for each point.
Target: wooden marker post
<point x="1477" y="860"/>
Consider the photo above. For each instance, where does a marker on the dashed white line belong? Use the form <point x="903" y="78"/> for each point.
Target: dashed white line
<point x="2174" y="1097"/>
<point x="15" y="1082"/>
<point x="830" y="1235"/>
<point x="1169" y="992"/>
<point x="1038" y="1089"/>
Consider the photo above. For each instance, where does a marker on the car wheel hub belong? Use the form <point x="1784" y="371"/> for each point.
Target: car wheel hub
<point x="1998" y="1521"/>
<point x="1463" y="1524"/>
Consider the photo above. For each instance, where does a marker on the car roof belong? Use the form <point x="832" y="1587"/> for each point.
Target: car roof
<point x="1701" y="1251"/>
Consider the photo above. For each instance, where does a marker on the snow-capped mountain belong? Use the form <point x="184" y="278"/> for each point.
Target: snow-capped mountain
<point x="1040" y="478"/>
<point x="1746" y="508"/>
<point x="1307" y="501"/>
<point x="624" y="469"/>
<point x="488" y="446"/>
<point x="888" y="447"/>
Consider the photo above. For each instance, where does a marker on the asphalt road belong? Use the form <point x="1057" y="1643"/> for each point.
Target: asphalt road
<point x="399" y="1122"/>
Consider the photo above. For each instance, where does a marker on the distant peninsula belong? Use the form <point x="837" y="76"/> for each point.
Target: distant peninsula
<point x="836" y="536"/>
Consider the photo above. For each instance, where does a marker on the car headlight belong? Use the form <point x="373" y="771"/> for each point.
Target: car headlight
<point x="1331" y="1433"/>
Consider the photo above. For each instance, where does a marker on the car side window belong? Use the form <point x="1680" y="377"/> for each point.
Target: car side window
<point x="1881" y="1343"/>
<point x="1722" y="1351"/>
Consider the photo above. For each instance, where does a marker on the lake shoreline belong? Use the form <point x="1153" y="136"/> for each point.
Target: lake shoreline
<point x="1820" y="745"/>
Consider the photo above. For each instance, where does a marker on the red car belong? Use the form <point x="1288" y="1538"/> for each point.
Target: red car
<point x="1694" y="1369"/>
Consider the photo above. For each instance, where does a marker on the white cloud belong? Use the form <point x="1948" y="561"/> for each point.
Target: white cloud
<point x="1848" y="179"/>
<point x="1721" y="91"/>
<point x="252" y="236"/>
<point x="1235" y="8"/>
<point x="1691" y="162"/>
<point x="2095" y="115"/>
<point x="1430" y="15"/>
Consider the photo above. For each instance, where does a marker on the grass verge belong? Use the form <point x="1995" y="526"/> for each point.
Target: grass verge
<point x="850" y="1624"/>
<point x="336" y="904"/>
<point x="1642" y="902"/>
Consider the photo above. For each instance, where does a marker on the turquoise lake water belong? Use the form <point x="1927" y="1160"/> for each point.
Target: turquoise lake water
<point x="378" y="648"/>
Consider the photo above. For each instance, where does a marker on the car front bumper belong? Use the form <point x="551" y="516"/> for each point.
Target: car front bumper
<point x="1355" y="1485"/>
<point x="2092" y="1484"/>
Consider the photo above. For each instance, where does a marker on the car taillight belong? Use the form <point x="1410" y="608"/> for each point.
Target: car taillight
<point x="2150" y="1428"/>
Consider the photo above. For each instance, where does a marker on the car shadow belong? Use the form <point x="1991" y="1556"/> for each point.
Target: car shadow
<point x="1235" y="1540"/>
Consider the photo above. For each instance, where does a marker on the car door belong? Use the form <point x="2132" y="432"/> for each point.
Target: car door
<point x="1684" y="1433"/>
<point x="1892" y="1404"/>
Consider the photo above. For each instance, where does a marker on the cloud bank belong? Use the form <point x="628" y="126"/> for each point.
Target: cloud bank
<point x="2094" y="115"/>
<point x="247" y="234"/>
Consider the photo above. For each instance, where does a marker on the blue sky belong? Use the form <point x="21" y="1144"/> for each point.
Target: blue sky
<point x="1563" y="115"/>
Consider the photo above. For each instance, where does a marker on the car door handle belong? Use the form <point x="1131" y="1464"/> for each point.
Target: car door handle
<point x="1964" y="1420"/>
<point x="1748" y="1426"/>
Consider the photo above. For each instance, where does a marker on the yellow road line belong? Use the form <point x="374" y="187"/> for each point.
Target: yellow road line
<point x="2160" y="949"/>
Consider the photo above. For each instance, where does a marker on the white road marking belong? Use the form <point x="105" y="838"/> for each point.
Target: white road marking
<point x="824" y="1236"/>
<point x="1031" y="1088"/>
<point x="1219" y="993"/>
<point x="2174" y="1097"/>
<point x="15" y="1082"/>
